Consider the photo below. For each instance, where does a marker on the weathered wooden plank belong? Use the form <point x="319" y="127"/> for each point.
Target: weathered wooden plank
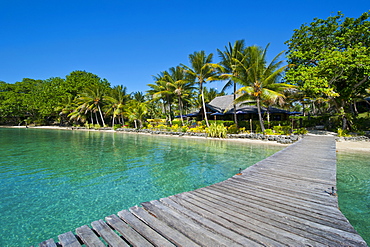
<point x="278" y="183"/>
<point x="108" y="234"/>
<point x="224" y="228"/>
<point x="186" y="226"/>
<point x="310" y="230"/>
<point x="151" y="235"/>
<point x="258" y="224"/>
<point x="48" y="243"/>
<point x="89" y="237"/>
<point x="170" y="233"/>
<point x="292" y="202"/>
<point x="278" y="186"/>
<point x="133" y="237"/>
<point x="307" y="206"/>
<point x="68" y="239"/>
<point x="325" y="220"/>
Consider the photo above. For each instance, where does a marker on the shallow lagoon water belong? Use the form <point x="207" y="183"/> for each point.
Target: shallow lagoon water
<point x="353" y="183"/>
<point x="53" y="181"/>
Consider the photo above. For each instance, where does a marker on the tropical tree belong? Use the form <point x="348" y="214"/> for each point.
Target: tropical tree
<point x="260" y="80"/>
<point x="92" y="100"/>
<point x="161" y="91"/>
<point x="135" y="111"/>
<point x="78" y="80"/>
<point x="203" y="70"/>
<point x="138" y="96"/>
<point x="209" y="95"/>
<point x="330" y="59"/>
<point x="180" y="85"/>
<point x="231" y="59"/>
<point x="116" y="101"/>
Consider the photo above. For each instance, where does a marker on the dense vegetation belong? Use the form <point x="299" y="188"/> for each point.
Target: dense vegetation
<point x="327" y="79"/>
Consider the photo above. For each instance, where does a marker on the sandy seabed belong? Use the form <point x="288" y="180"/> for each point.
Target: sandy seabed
<point x="361" y="146"/>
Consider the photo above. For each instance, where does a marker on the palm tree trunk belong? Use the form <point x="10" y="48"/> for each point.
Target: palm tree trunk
<point x="169" y="109"/>
<point x="96" y="118"/>
<point x="180" y="108"/>
<point x="204" y="105"/>
<point x="101" y="116"/>
<point x="235" y="116"/>
<point x="260" y="115"/>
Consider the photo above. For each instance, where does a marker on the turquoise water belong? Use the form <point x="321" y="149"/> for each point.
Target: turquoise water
<point x="53" y="181"/>
<point x="353" y="182"/>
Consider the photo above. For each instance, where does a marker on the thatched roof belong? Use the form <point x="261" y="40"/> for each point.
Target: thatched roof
<point x="224" y="104"/>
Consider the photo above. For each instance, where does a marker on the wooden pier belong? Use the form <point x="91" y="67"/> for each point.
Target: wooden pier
<point x="287" y="199"/>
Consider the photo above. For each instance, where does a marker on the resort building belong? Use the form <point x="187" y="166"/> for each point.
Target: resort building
<point x="222" y="108"/>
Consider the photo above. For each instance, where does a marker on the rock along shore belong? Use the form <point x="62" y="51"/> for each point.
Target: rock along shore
<point x="283" y="139"/>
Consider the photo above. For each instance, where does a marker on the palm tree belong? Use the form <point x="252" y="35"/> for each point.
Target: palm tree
<point x="135" y="111"/>
<point x="66" y="107"/>
<point x="259" y="80"/>
<point x="92" y="100"/>
<point x="202" y="70"/>
<point x="116" y="102"/>
<point x="138" y="96"/>
<point x="161" y="91"/>
<point x="231" y="59"/>
<point x="179" y="84"/>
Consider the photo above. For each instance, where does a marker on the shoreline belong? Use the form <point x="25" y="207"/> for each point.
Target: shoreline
<point x="341" y="146"/>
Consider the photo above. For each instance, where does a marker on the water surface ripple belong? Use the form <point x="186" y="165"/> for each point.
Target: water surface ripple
<point x="53" y="181"/>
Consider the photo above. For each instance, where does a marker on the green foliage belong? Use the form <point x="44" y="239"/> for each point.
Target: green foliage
<point x="301" y="131"/>
<point x="282" y="130"/>
<point x="216" y="130"/>
<point x="269" y="132"/>
<point x="343" y="133"/>
<point x="176" y="122"/>
<point x="232" y="129"/>
<point x="329" y="59"/>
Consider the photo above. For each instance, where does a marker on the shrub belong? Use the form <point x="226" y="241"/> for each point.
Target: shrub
<point x="343" y="133"/>
<point x="116" y="126"/>
<point x="176" y="122"/>
<point x="301" y="131"/>
<point x="232" y="129"/>
<point x="269" y="132"/>
<point x="217" y="130"/>
<point x="282" y="130"/>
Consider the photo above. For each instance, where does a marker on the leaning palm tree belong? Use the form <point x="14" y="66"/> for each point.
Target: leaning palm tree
<point x="92" y="100"/>
<point x="180" y="85"/>
<point x="161" y="90"/>
<point x="259" y="79"/>
<point x="116" y="101"/>
<point x="135" y="111"/>
<point x="231" y="59"/>
<point x="202" y="70"/>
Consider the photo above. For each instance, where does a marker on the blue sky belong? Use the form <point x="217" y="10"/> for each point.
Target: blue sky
<point x="127" y="42"/>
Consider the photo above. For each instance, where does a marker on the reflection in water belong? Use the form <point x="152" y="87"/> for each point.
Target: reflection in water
<point x="66" y="179"/>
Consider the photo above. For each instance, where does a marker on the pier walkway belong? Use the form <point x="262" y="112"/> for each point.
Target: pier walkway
<point x="287" y="199"/>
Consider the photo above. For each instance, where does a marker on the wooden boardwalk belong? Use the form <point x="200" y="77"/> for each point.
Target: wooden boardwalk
<point x="284" y="200"/>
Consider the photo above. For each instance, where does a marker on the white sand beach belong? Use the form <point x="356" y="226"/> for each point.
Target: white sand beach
<point x="360" y="146"/>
